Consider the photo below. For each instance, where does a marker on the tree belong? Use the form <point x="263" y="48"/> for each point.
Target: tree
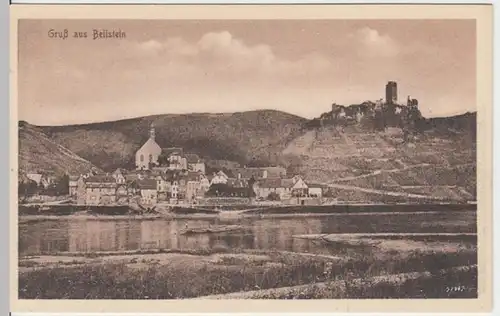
<point x="41" y="188"/>
<point x="61" y="186"/>
<point x="27" y="189"/>
<point x="163" y="160"/>
<point x="219" y="189"/>
<point x="251" y="182"/>
<point x="273" y="196"/>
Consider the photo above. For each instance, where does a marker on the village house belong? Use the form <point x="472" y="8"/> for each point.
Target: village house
<point x="119" y="175"/>
<point x="299" y="187"/>
<point x="315" y="190"/>
<point x="77" y="188"/>
<point x="284" y="188"/>
<point x="193" y="188"/>
<point x="40" y="179"/>
<point x="100" y="190"/>
<point x="274" y="172"/>
<point x="181" y="191"/>
<point x="260" y="172"/>
<point x="237" y="183"/>
<point x="281" y="187"/>
<point x="133" y="187"/>
<point x="195" y="163"/>
<point x="174" y="191"/>
<point x="130" y="177"/>
<point x="160" y="169"/>
<point x="176" y="159"/>
<point x="162" y="184"/>
<point x="247" y="173"/>
<point x="204" y="184"/>
<point x="219" y="177"/>
<point x="81" y="190"/>
<point x="149" y="194"/>
<point x="73" y="186"/>
<point x="122" y="193"/>
<point x="90" y="173"/>
<point x="198" y="184"/>
<point x="178" y="190"/>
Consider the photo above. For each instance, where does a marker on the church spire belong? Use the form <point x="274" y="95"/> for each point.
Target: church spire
<point x="152" y="131"/>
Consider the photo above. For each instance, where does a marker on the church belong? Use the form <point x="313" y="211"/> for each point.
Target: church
<point x="149" y="152"/>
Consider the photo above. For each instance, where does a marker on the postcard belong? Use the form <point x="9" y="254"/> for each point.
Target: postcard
<point x="251" y="158"/>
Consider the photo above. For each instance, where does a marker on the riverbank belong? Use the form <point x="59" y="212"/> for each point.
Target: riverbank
<point x="176" y="274"/>
<point x="22" y="219"/>
<point x="262" y="212"/>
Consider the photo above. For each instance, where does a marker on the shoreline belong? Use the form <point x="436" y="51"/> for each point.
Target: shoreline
<point x="258" y="213"/>
<point x="30" y="218"/>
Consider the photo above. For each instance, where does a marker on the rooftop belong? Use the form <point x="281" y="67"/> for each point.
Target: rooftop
<point x="172" y="150"/>
<point x="247" y="173"/>
<point x="101" y="179"/>
<point x="147" y="184"/>
<point x="237" y="183"/>
<point x="193" y="158"/>
<point x="270" y="183"/>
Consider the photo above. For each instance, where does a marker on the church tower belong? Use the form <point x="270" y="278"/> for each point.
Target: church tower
<point x="152" y="131"/>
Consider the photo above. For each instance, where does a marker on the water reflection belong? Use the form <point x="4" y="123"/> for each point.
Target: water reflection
<point x="132" y="234"/>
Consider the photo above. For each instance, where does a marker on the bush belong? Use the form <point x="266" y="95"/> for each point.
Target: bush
<point x="273" y="196"/>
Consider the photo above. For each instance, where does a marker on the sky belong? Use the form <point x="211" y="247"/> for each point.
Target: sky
<point x="186" y="66"/>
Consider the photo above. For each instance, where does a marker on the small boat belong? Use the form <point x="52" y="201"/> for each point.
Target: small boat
<point x="213" y="229"/>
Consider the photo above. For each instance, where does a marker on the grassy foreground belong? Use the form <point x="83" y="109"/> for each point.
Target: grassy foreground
<point x="176" y="276"/>
<point x="404" y="285"/>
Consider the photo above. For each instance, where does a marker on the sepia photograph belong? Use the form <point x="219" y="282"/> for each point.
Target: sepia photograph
<point x="249" y="158"/>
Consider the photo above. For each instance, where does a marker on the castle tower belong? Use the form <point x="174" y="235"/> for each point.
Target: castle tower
<point x="391" y="92"/>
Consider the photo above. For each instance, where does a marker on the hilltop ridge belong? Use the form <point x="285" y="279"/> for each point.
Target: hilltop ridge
<point x="252" y="138"/>
<point x="40" y="154"/>
<point x="342" y="151"/>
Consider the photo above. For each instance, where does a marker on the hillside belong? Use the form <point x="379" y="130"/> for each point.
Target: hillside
<point x="38" y="153"/>
<point x="360" y="161"/>
<point x="439" y="162"/>
<point x="255" y="137"/>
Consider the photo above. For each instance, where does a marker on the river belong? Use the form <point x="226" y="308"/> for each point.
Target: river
<point x="125" y="234"/>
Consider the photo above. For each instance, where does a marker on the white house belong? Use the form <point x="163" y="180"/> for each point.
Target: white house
<point x="119" y="176"/>
<point x="149" y="194"/>
<point x="40" y="179"/>
<point x="176" y="159"/>
<point x="282" y="187"/>
<point x="315" y="190"/>
<point x="162" y="185"/>
<point x="219" y="177"/>
<point x="204" y="184"/>
<point x="195" y="163"/>
<point x="174" y="189"/>
<point x="193" y="186"/>
<point x="299" y="187"/>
